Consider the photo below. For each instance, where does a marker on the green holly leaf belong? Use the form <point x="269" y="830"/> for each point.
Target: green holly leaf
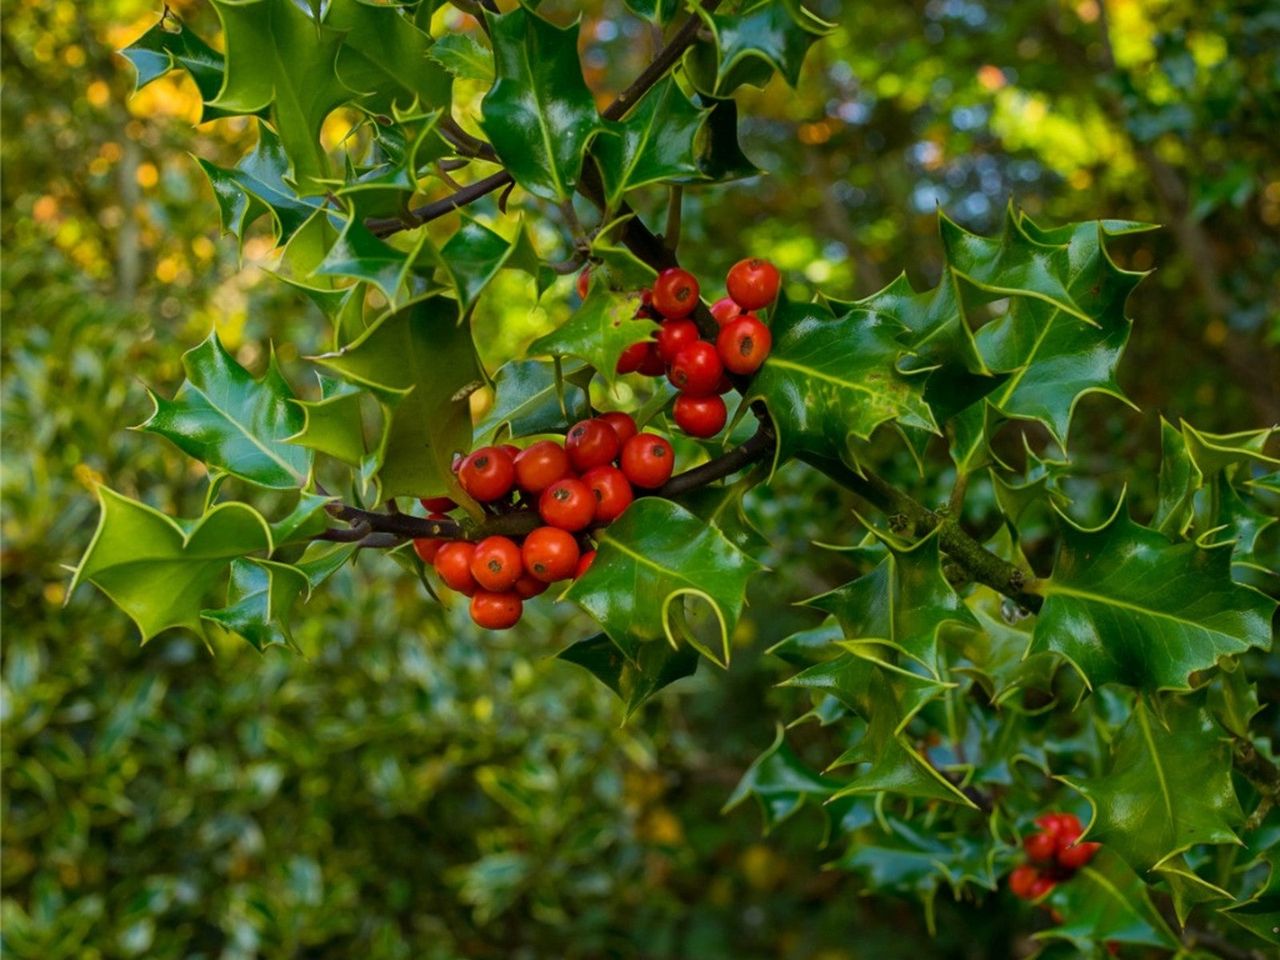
<point x="659" y="11"/>
<point x="539" y="115"/>
<point x="386" y="185"/>
<point x="1064" y="330"/>
<point x="1167" y="785"/>
<point x="465" y="57"/>
<point x="648" y="562"/>
<point x="1107" y="901"/>
<point x="721" y="506"/>
<point x="902" y="603"/>
<point x="832" y="380"/>
<point x="159" y="570"/>
<point x="807" y="647"/>
<point x="598" y="331"/>
<point x="886" y="697"/>
<point x="384" y="58"/>
<point x="781" y="784"/>
<point x="996" y="654"/>
<point x="258" y="185"/>
<point x="720" y="156"/>
<point x="1124" y="605"/>
<point x="656" y="665"/>
<point x="1040" y="485"/>
<point x="529" y="399"/>
<point x="1187" y="887"/>
<point x="616" y="266"/>
<point x="260" y="598"/>
<point x="422" y="364"/>
<point x="655" y="142"/>
<point x="1233" y="699"/>
<point x="169" y="45"/>
<point x="228" y="420"/>
<point x="746" y="47"/>
<point x="898" y="857"/>
<point x="475" y="254"/>
<point x="1180" y="479"/>
<point x="304" y="521"/>
<point x="396" y="272"/>
<point x="334" y="424"/>
<point x="935" y="322"/>
<point x="1215" y="452"/>
<point x="301" y="88"/>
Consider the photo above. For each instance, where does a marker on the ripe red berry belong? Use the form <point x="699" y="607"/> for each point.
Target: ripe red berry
<point x="1042" y="886"/>
<point x="697" y="369"/>
<point x="529" y="586"/>
<point x="512" y="450"/>
<point x="675" y="293"/>
<point x="1078" y="855"/>
<point x="1022" y="879"/>
<point x="591" y="443"/>
<point x="453" y="564"/>
<point x="633" y="358"/>
<point x="549" y="554"/>
<point x="495" y="564"/>
<point x="496" y="611"/>
<point x="427" y="547"/>
<point x="700" y="416"/>
<point x="584" y="282"/>
<point x="647" y="460"/>
<point x="488" y="473"/>
<point x="753" y="283"/>
<point x="568" y="504"/>
<point x="437" y="505"/>
<point x="724" y="310"/>
<point x="623" y="424"/>
<point x="612" y="492"/>
<point x="673" y="335"/>
<point x="652" y="365"/>
<point x="584" y="563"/>
<point x="540" y="465"/>
<point x="743" y="344"/>
<point x="1041" y="846"/>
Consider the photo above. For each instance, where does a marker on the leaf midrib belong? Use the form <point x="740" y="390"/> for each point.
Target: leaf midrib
<point x="1050" y="589"/>
<point x="283" y="464"/>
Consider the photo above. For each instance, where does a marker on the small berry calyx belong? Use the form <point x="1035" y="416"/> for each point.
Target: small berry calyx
<point x="753" y="283"/>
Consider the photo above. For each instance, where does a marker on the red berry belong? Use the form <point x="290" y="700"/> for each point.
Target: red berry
<point x="743" y="344"/>
<point x="540" y="465"/>
<point x="632" y="358"/>
<point x="652" y="364"/>
<point x="437" y="504"/>
<point x="488" y="473"/>
<point x="1022" y="879"/>
<point x="584" y="563"/>
<point x="647" y="460"/>
<point x="496" y="611"/>
<point x="697" y="369"/>
<point x="427" y="547"/>
<point x="724" y="310"/>
<point x="675" y="293"/>
<point x="549" y="554"/>
<point x="1078" y="855"/>
<point x="529" y="586"/>
<point x="1042" y="886"/>
<point x="512" y="450"/>
<point x="1041" y="846"/>
<point x="611" y="490"/>
<point x="568" y="504"/>
<point x="584" y="282"/>
<point x="700" y="416"/>
<point x="591" y="443"/>
<point x="496" y="564"/>
<point x="453" y="564"/>
<point x="623" y="424"/>
<point x="753" y="283"/>
<point x="673" y="335"/>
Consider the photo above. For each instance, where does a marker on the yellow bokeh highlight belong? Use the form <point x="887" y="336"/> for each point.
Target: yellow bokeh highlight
<point x="147" y="175"/>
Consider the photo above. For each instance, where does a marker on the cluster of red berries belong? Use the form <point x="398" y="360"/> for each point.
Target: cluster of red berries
<point x="584" y="483"/>
<point x="1055" y="855"/>
<point x="698" y="368"/>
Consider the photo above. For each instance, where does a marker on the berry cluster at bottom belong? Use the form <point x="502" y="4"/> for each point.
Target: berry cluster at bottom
<point x="576" y="487"/>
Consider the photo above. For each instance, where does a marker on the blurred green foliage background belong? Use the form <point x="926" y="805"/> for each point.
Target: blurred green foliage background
<point x="410" y="788"/>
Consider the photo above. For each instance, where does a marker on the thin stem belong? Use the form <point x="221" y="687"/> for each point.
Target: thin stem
<point x="385" y="226"/>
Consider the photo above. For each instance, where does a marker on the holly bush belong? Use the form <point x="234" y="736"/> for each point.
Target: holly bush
<point x="1022" y="662"/>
